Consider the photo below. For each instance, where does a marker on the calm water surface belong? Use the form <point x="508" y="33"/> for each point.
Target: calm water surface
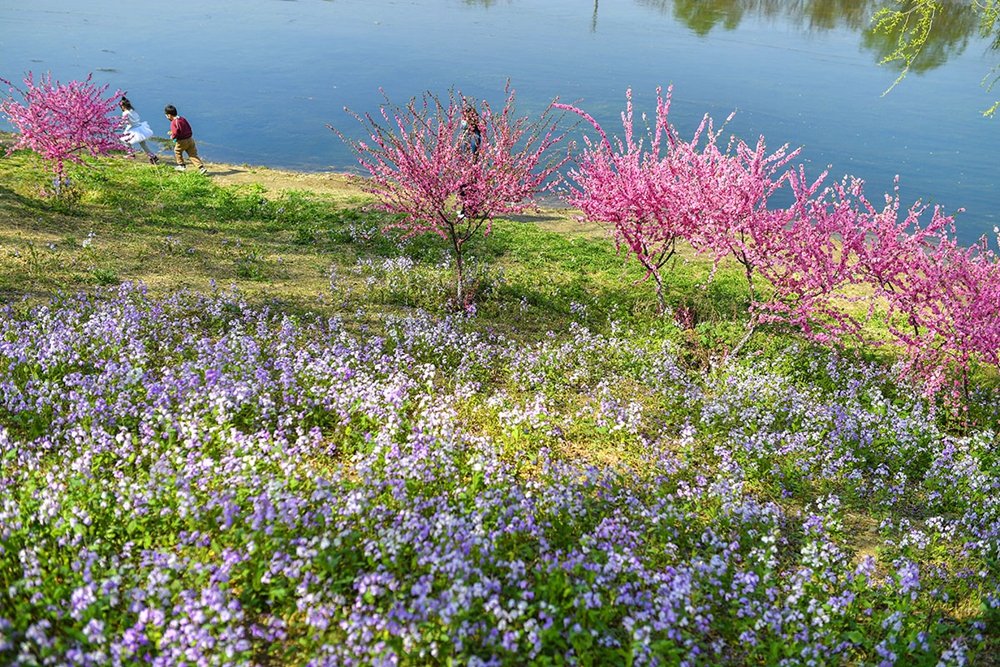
<point x="260" y="79"/>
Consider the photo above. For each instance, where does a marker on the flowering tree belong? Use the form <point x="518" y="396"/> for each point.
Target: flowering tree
<point x="640" y="190"/>
<point x="61" y="121"/>
<point x="677" y="189"/>
<point x="941" y="299"/>
<point x="424" y="165"/>
<point x="818" y="257"/>
<point x="954" y="306"/>
<point x="811" y="261"/>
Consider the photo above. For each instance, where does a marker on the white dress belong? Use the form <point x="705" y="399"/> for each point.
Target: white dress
<point x="136" y="130"/>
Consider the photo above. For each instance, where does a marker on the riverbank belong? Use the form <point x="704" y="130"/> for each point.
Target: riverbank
<point x="551" y="216"/>
<point x="273" y="234"/>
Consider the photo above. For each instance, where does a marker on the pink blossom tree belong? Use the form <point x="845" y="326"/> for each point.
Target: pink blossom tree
<point x="815" y="260"/>
<point x="953" y="306"/>
<point x="424" y="165"/>
<point x="941" y="299"/>
<point x="62" y="121"/>
<point x="975" y="287"/>
<point x="640" y="189"/>
<point x="811" y="263"/>
<point x="669" y="190"/>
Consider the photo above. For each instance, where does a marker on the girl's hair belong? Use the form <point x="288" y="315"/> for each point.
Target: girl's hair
<point x="126" y="104"/>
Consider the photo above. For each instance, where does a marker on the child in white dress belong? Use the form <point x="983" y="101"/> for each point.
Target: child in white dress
<point x="137" y="131"/>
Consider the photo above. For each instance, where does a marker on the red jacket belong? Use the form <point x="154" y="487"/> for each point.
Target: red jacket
<point x="180" y="128"/>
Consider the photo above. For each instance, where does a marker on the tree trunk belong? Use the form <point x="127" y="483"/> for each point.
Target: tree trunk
<point x="459" y="276"/>
<point x="662" y="305"/>
<point x="456" y="245"/>
<point x="746" y="337"/>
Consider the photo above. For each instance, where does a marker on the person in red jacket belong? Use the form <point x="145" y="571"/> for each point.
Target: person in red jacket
<point x="180" y="132"/>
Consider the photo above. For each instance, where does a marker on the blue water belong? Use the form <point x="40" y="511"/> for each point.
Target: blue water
<point x="260" y="79"/>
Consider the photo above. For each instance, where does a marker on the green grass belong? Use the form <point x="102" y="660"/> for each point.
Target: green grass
<point x="124" y="220"/>
<point x="127" y="221"/>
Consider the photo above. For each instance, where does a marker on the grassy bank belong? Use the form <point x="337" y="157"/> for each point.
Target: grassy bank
<point x="124" y="220"/>
<point x="289" y="449"/>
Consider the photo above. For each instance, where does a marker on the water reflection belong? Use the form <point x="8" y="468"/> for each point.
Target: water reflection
<point x="809" y="14"/>
<point x="701" y="16"/>
<point x="954" y="24"/>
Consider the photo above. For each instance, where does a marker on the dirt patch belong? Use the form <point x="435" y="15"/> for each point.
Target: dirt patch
<point x="276" y="180"/>
<point x="550" y="216"/>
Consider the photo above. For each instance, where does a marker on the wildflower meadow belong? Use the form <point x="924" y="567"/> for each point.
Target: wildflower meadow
<point x="549" y="464"/>
<point x="193" y="480"/>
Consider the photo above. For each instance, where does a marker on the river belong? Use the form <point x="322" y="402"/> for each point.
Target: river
<point x="260" y="79"/>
